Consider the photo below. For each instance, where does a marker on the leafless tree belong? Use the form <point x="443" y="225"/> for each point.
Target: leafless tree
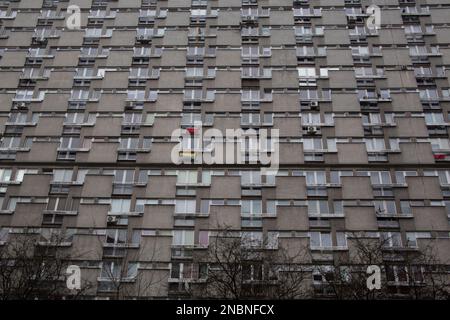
<point x="127" y="279"/>
<point x="35" y="269"/>
<point x="406" y="273"/>
<point x="239" y="268"/>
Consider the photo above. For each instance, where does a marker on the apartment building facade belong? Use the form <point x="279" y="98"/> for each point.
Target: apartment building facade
<point x="87" y="116"/>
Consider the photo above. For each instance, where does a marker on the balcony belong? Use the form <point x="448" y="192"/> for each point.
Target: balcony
<point x="181" y="252"/>
<point x="249" y="20"/>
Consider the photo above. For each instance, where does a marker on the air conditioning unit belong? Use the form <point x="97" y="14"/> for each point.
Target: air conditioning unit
<point x="143" y="38"/>
<point x="20" y="105"/>
<point x="40" y="40"/>
<point x="112" y="219"/>
<point x="312" y="130"/>
<point x="249" y="18"/>
<point x="314" y="104"/>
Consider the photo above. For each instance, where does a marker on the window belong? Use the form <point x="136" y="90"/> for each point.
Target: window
<point x="311" y="119"/>
<point x="444" y="176"/>
<point x="320" y="240"/>
<point x="129" y="143"/>
<point x="62" y="175"/>
<point x="132" y="270"/>
<point x="81" y="175"/>
<point x="10" y="143"/>
<point x="150" y="119"/>
<point x="338" y="207"/>
<point x="413" y="29"/>
<point x="371" y="119"/>
<point x="433" y="118"/>
<point x="385" y="207"/>
<point x="85" y="73"/>
<point x="309" y="94"/>
<point x="250" y="51"/>
<point x="141" y="52"/>
<point x="429" y="94"/>
<point x="120" y="205"/>
<point x="79" y="95"/>
<point x="183" y="238"/>
<point x="185" y="206"/>
<point x="250" y="119"/>
<point x="205" y="205"/>
<point x="195" y="51"/>
<point x="59" y="204"/>
<point x="380" y="177"/>
<point x="405" y="207"/>
<point x="191" y="119"/>
<point x="24" y="95"/>
<point x="251" y="207"/>
<point x="439" y="144"/>
<point x="124" y="176"/>
<point x="310" y="144"/>
<point x="5" y="175"/>
<point x="116" y="236"/>
<point x="93" y="32"/>
<point x="306" y="72"/>
<point x="13" y="201"/>
<point x="89" y="52"/>
<point x="149" y="33"/>
<point x="400" y="176"/>
<point x="4" y="232"/>
<point x="364" y="72"/>
<point x="139" y="73"/>
<point x="250" y="178"/>
<point x="75" y="118"/>
<point x="251" y="239"/>
<point x="315" y="178"/>
<point x="412" y="237"/>
<point x="111" y="270"/>
<point x="136" y="95"/>
<point x="194" y="94"/>
<point x="251" y="95"/>
<point x="181" y="270"/>
<point x="317" y="207"/>
<point x="70" y="143"/>
<point x="391" y="239"/>
<point x="418" y="50"/>
<point x="375" y="145"/>
<point x="341" y="239"/>
<point x="203" y="238"/>
<point x="336" y="176"/>
<point x="272" y="240"/>
<point x="187" y="177"/>
<point x="194" y="72"/>
<point x="141" y="203"/>
<point x="401" y="274"/>
<point x="147" y="13"/>
<point x="252" y="271"/>
<point x="21" y="173"/>
<point x="305" y="51"/>
<point x="358" y="31"/>
<point x="198" y="12"/>
<point x="360" y="51"/>
<point x="303" y="31"/>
